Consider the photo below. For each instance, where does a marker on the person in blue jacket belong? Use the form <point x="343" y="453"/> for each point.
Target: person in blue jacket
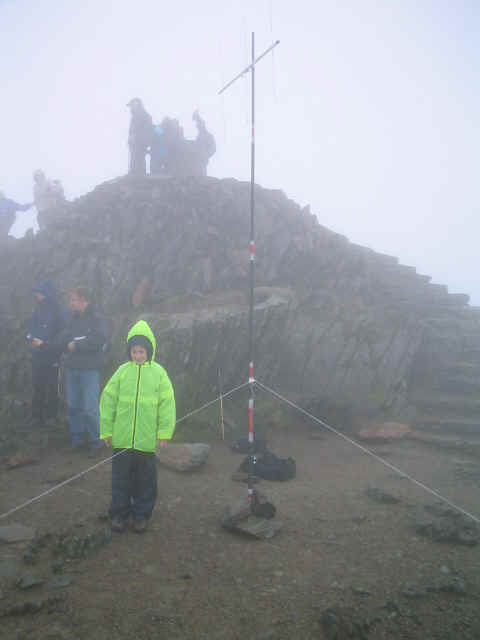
<point x="45" y="323"/>
<point x="8" y="209"/>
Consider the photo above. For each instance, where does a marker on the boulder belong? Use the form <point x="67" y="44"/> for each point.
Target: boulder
<point x="384" y="432"/>
<point x="16" y="533"/>
<point x="444" y="524"/>
<point x="183" y="457"/>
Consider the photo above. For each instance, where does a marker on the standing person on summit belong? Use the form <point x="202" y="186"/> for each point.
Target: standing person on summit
<point x="140" y="136"/>
<point x="45" y="323"/>
<point x="83" y="341"/>
<point x="202" y="148"/>
<point x="47" y="194"/>
<point x="137" y="411"/>
<point x="8" y="209"/>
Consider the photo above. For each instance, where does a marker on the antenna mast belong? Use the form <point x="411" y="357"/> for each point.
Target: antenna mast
<point x="251" y="340"/>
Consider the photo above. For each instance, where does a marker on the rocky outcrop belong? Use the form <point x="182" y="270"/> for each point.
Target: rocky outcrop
<point x="445" y="378"/>
<point x="337" y="325"/>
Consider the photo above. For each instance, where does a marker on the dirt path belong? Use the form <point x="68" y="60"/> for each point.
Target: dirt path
<point x="188" y="578"/>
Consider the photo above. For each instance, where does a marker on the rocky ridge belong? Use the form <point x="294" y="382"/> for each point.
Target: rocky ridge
<point x="339" y="327"/>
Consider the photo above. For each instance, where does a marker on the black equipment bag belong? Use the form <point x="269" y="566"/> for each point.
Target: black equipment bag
<point x="271" y="467"/>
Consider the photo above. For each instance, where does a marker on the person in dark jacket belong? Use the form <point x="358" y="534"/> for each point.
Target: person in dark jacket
<point x="45" y="323"/>
<point x="140" y="135"/>
<point x="202" y="148"/>
<point x="8" y="209"/>
<point x="83" y="340"/>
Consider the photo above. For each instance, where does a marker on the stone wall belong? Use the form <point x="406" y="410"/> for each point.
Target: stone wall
<point x="337" y="324"/>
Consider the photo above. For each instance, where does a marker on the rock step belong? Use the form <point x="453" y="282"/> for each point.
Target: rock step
<point x="384" y="258"/>
<point x="457" y="383"/>
<point x="440" y="289"/>
<point x="396" y="268"/>
<point x="453" y="403"/>
<point x="447" y="426"/>
<point x="459" y="298"/>
<point x="469" y="446"/>
<point x="472" y="354"/>
<point x="415" y="291"/>
<point x="463" y="368"/>
<point x="470" y="345"/>
<point x="426" y="305"/>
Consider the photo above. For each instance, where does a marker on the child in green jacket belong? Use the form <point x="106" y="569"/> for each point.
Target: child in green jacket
<point x="137" y="414"/>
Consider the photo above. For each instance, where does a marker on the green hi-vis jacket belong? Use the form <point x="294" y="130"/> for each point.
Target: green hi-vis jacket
<point x="137" y="406"/>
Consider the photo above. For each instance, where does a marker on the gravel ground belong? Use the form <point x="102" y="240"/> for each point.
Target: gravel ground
<point x="187" y="578"/>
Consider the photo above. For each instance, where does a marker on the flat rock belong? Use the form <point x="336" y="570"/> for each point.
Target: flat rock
<point x="21" y="459"/>
<point x="255" y="527"/>
<point x="10" y="568"/>
<point x="384" y="432"/>
<point x="183" y="457"/>
<point x="379" y="495"/>
<point x="239" y="518"/>
<point x="443" y="524"/>
<point x="342" y="623"/>
<point x="16" y="533"/>
<point x="29" y="580"/>
<point x="242" y="476"/>
<point x="61" y="581"/>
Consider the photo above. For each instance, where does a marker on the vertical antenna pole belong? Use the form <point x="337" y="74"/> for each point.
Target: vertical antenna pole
<point x="251" y="350"/>
<point x="251" y="339"/>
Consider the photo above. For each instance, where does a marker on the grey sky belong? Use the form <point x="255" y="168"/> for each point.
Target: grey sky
<point x="367" y="110"/>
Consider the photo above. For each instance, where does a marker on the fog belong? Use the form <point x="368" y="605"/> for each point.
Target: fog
<point x="366" y="110"/>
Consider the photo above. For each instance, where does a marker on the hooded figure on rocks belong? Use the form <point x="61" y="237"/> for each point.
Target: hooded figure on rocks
<point x="202" y="148"/>
<point x="46" y="321"/>
<point x="47" y="195"/>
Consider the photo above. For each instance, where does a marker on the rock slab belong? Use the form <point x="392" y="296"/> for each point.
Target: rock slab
<point x="16" y="533"/>
<point x="183" y="457"/>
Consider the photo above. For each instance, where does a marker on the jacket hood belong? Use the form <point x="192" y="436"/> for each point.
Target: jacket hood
<point x="141" y="328"/>
<point x="46" y="288"/>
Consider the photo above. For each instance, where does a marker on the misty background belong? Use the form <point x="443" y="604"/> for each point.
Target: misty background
<point x="367" y="110"/>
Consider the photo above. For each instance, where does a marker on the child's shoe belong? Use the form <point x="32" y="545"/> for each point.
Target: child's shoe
<point x="118" y="525"/>
<point x="140" y="526"/>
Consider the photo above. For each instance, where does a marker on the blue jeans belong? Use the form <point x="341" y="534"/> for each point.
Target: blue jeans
<point x="82" y="389"/>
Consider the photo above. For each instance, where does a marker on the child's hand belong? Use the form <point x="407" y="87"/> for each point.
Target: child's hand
<point x="161" y="444"/>
<point x="108" y="442"/>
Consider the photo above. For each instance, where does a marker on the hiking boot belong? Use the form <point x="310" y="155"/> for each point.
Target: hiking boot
<point x="140" y="526"/>
<point x="96" y="452"/>
<point x="118" y="525"/>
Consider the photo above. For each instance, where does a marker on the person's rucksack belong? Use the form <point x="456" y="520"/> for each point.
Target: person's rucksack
<point x="271" y="467"/>
<point x="242" y="445"/>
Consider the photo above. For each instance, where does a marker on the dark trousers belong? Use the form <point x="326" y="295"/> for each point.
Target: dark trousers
<point x="45" y="391"/>
<point x="134" y="484"/>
